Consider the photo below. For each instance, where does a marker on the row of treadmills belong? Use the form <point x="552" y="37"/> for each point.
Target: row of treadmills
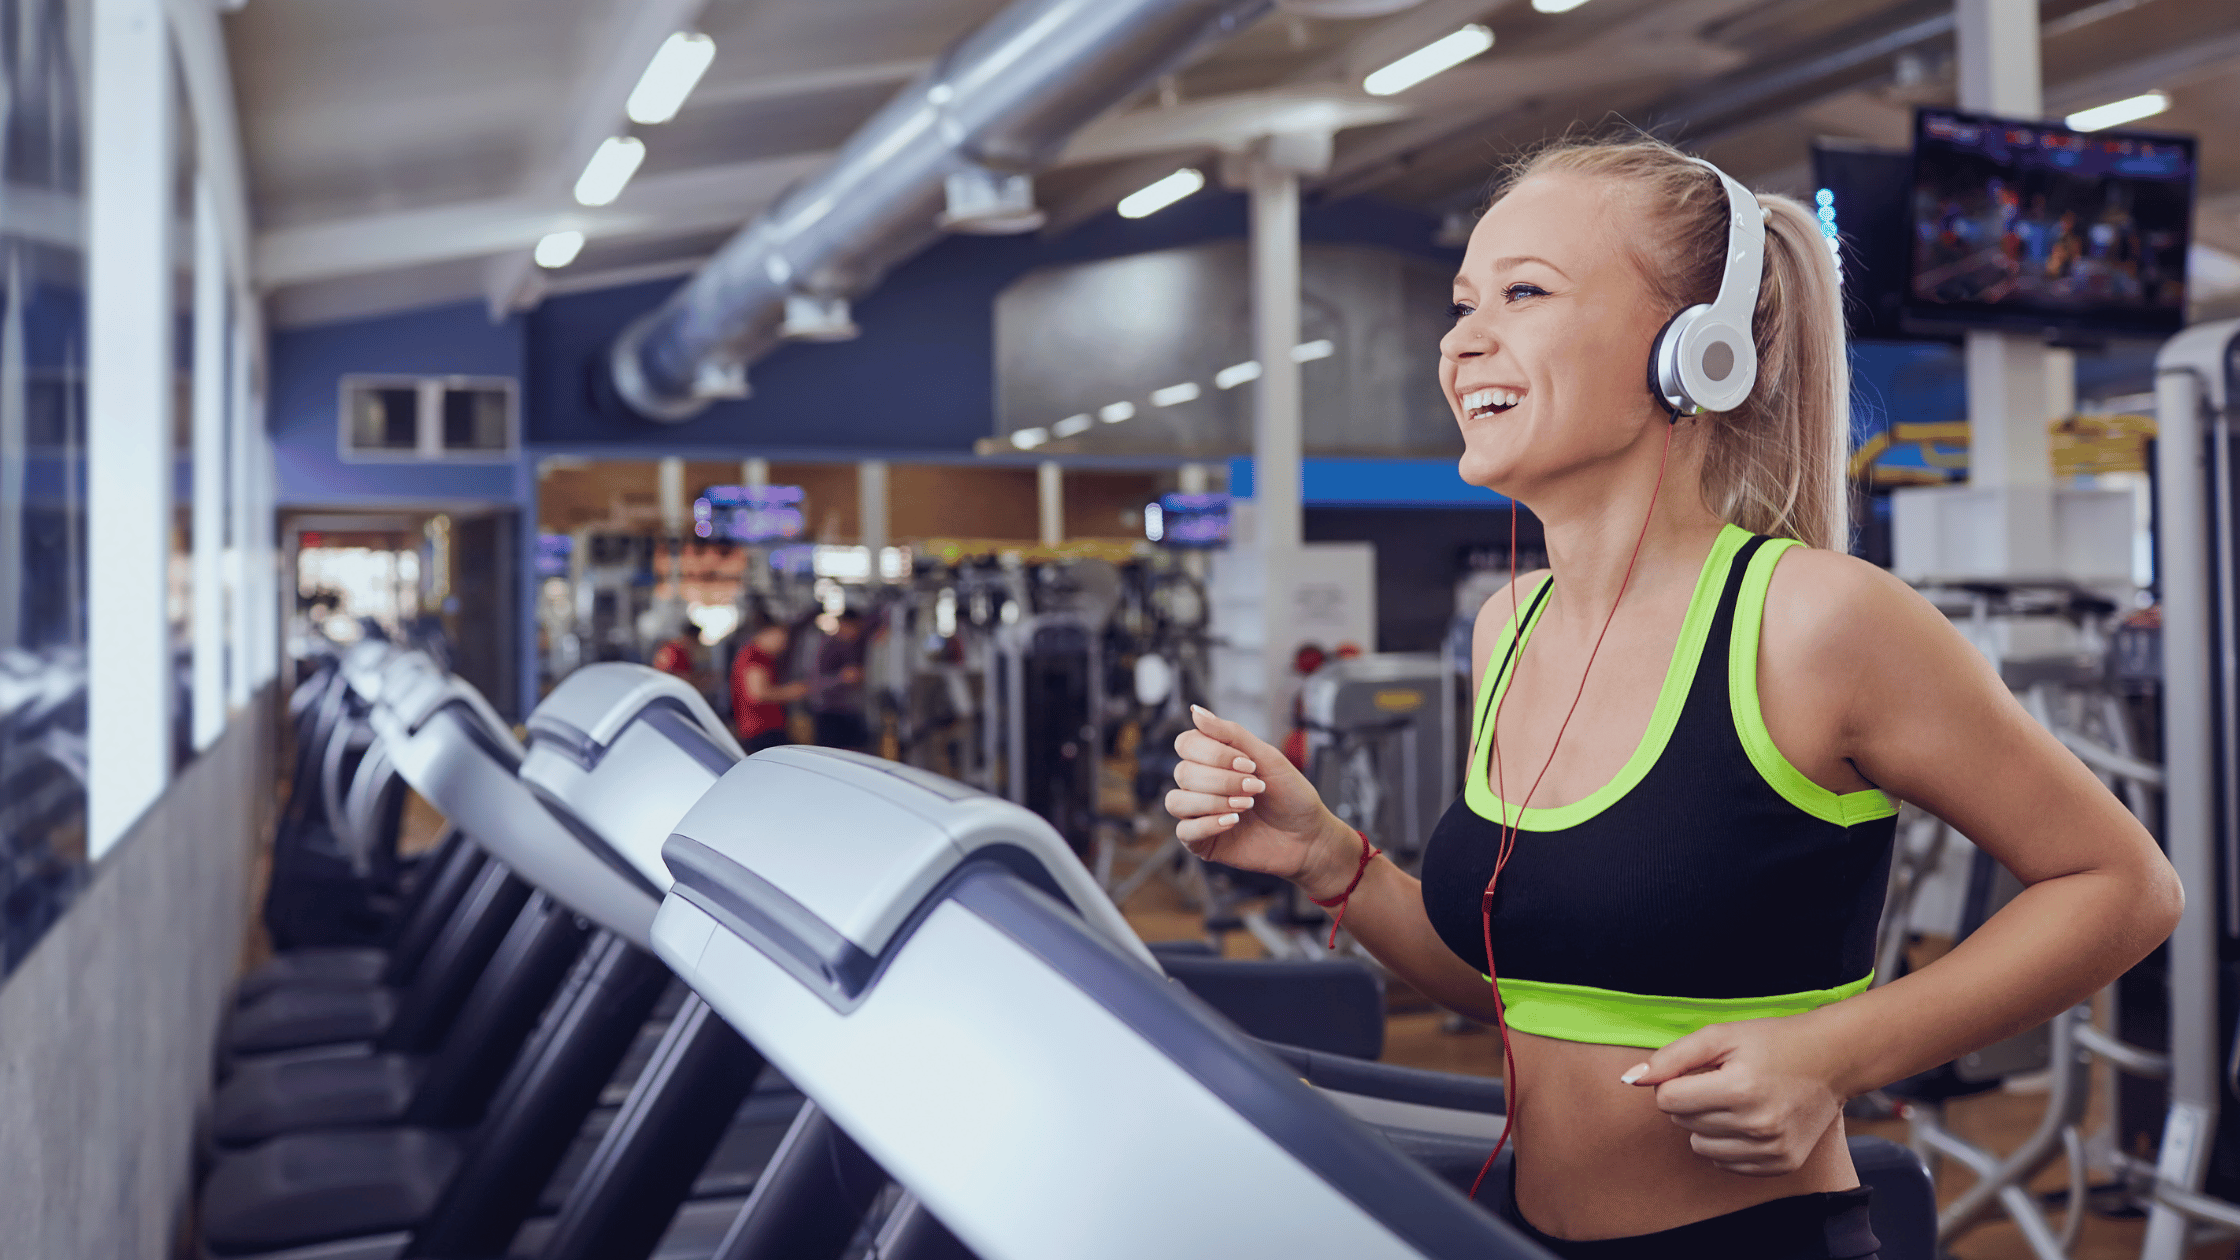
<point x="648" y="998"/>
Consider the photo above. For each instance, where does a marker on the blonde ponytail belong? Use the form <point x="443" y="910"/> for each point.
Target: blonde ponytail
<point x="1775" y="464"/>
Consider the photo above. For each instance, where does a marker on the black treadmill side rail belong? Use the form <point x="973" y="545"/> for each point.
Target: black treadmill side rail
<point x="674" y="1118"/>
<point x="812" y="1198"/>
<point x="432" y="903"/>
<point x="498" y="1015"/>
<point x="428" y="1007"/>
<point x="551" y="1090"/>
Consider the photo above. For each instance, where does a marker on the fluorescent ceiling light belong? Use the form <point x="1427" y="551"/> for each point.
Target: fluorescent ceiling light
<point x="670" y="77"/>
<point x="1156" y="197"/>
<point x="1556" y="6"/>
<point x="609" y="170"/>
<point x="2117" y="113"/>
<point x="1117" y="412"/>
<point x="1237" y="374"/>
<point x="1028" y="439"/>
<point x="558" y="249"/>
<point x="1071" y="425"/>
<point x="1174" y="395"/>
<point x="1309" y="351"/>
<point x="1440" y="54"/>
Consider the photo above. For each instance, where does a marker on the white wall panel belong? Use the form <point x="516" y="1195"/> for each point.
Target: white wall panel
<point x="128" y="414"/>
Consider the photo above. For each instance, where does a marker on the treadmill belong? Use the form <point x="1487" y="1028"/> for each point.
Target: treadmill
<point x="970" y="1015"/>
<point x="617" y="751"/>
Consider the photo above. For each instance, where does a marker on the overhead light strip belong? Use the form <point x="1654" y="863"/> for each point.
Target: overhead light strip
<point x="669" y="78"/>
<point x="2117" y="113"/>
<point x="1433" y="58"/>
<point x="1158" y="196"/>
<point x="609" y="170"/>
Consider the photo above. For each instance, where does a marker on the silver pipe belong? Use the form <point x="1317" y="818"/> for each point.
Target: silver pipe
<point x="1001" y="101"/>
<point x="2129" y="1058"/>
<point x="2065" y="1104"/>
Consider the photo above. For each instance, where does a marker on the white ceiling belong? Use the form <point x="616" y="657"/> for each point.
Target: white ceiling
<point x="409" y="152"/>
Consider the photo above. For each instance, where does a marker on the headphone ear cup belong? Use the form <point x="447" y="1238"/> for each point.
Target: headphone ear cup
<point x="1665" y="384"/>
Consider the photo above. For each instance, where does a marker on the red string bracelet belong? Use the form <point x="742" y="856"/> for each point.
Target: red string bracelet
<point x="1369" y="853"/>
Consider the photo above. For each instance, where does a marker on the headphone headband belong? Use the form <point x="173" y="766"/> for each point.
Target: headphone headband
<point x="1706" y="358"/>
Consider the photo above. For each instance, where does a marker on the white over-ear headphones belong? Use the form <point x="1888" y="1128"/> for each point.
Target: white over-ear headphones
<point x="1705" y="359"/>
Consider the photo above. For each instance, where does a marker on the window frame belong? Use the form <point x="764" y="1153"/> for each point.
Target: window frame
<point x="428" y="444"/>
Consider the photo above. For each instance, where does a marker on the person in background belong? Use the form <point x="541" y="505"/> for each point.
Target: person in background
<point x="677" y="652"/>
<point x="836" y="699"/>
<point x="758" y="699"/>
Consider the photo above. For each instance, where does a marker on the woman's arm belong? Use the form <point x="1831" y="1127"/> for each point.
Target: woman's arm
<point x="1860" y="678"/>
<point x="755" y="681"/>
<point x="1929" y="721"/>
<point x="1240" y="801"/>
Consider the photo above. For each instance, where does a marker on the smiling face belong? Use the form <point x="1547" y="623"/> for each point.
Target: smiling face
<point x="1546" y="366"/>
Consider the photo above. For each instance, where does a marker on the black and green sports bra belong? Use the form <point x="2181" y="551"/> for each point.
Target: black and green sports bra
<point x="1709" y="882"/>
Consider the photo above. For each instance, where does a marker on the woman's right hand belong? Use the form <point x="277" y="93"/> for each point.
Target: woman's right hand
<point x="1240" y="802"/>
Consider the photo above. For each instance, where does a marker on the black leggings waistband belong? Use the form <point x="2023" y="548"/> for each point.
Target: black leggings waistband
<point x="1826" y="1226"/>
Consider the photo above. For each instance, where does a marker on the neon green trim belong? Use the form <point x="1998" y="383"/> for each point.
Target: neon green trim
<point x="1606" y="1017"/>
<point x="1694" y="631"/>
<point x="1843" y="809"/>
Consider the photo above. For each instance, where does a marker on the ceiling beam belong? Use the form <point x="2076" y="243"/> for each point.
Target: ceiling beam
<point x="697" y="200"/>
<point x="1230" y="122"/>
<point x="807" y="83"/>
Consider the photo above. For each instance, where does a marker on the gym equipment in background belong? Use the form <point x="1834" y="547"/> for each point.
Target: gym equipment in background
<point x="1381" y="745"/>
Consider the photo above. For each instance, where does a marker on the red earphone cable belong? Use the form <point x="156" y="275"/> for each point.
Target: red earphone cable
<point x="1501" y="789"/>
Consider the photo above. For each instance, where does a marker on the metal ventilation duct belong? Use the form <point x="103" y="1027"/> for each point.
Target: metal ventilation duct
<point x="949" y="151"/>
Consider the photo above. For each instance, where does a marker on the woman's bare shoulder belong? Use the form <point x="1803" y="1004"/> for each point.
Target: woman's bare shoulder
<point x="1837" y="616"/>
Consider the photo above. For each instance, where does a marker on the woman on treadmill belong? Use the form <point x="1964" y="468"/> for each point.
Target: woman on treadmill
<point x="1691" y="736"/>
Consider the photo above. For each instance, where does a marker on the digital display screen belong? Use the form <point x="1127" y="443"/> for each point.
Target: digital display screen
<point x="742" y="514"/>
<point x="2026" y="225"/>
<point x="1188" y="520"/>
<point x="1860" y="198"/>
<point x="553" y="553"/>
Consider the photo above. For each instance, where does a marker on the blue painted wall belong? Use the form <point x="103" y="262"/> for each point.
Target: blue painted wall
<point x="922" y="375"/>
<point x="308" y="365"/>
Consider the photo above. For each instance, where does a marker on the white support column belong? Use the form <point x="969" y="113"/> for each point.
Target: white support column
<point x="13" y="462"/>
<point x="128" y="415"/>
<point x="209" y="615"/>
<point x="871" y="509"/>
<point x="271" y="591"/>
<point x="1276" y="427"/>
<point x="2007" y="404"/>
<point x="671" y="472"/>
<point x="1050" y="501"/>
<point x="241" y="432"/>
<point x="754" y="474"/>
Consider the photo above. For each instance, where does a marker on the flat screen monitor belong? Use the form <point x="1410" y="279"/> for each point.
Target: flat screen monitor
<point x="2030" y="226"/>
<point x="553" y="554"/>
<point x="749" y="514"/>
<point x="1188" y="520"/>
<point x="1859" y="193"/>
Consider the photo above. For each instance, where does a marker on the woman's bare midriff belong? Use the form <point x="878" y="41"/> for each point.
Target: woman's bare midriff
<point x="1596" y="1159"/>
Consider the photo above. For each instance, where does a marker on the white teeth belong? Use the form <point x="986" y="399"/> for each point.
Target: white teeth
<point x="1479" y="399"/>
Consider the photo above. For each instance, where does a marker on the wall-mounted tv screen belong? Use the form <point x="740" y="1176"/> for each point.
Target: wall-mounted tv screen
<point x="1859" y="193"/>
<point x="749" y="514"/>
<point x="1188" y="520"/>
<point x="2030" y="226"/>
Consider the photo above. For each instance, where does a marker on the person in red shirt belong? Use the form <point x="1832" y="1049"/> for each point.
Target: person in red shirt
<point x="758" y="699"/>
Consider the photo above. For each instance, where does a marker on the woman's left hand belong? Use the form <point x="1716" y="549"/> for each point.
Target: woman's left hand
<point x="1754" y="1096"/>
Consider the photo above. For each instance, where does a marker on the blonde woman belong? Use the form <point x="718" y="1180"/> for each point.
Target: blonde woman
<point x="1677" y="856"/>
